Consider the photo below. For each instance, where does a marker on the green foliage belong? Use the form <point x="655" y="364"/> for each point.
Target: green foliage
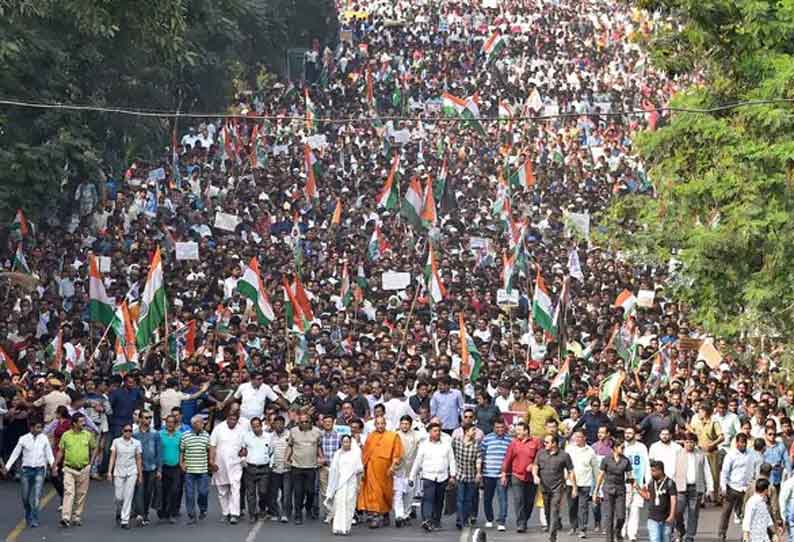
<point x="725" y="181"/>
<point x="162" y="55"/>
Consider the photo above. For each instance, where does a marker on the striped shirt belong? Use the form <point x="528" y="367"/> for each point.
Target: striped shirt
<point x="280" y="444"/>
<point x="492" y="451"/>
<point x="195" y="448"/>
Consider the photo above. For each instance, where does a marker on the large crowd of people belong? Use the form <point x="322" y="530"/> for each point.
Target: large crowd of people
<point x="394" y="344"/>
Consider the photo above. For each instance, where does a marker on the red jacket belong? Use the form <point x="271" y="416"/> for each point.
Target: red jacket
<point x="520" y="455"/>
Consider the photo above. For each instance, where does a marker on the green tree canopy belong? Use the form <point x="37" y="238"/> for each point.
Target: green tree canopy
<point x="164" y="55"/>
<point x="724" y="180"/>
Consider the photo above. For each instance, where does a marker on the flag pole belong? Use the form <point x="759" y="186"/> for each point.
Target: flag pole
<point x="98" y="344"/>
<point x="407" y="323"/>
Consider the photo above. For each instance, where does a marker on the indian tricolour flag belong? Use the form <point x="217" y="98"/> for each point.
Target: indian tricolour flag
<point x="100" y="304"/>
<point x="293" y="310"/>
<point x="20" y="224"/>
<point x="627" y="301"/>
<point x="412" y="204"/>
<point x="472" y="112"/>
<point x="258" y="156"/>
<point x="562" y="380"/>
<point x="429" y="207"/>
<point x="251" y="286"/>
<point x="124" y="329"/>
<point x="345" y="292"/>
<point x="153" y="301"/>
<point x="7" y="363"/>
<point x="336" y="218"/>
<point x="541" y="305"/>
<point x="470" y="358"/>
<point x="377" y="245"/>
<point x="609" y="390"/>
<point x="54" y="351"/>
<point x="312" y="166"/>
<point x="20" y="263"/>
<point x="388" y="197"/>
<point x="523" y="176"/>
<point x="493" y="46"/>
<point x="452" y="106"/>
<point x="508" y="270"/>
<point x="435" y="286"/>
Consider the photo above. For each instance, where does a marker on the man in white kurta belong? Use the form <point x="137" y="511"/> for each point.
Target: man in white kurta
<point x="403" y="492"/>
<point x="226" y="443"/>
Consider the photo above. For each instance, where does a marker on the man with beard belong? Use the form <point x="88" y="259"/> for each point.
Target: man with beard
<point x="381" y="456"/>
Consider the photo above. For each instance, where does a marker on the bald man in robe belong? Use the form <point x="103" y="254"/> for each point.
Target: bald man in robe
<point x="382" y="453"/>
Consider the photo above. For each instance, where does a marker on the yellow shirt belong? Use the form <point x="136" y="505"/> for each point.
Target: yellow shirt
<point x="537" y="418"/>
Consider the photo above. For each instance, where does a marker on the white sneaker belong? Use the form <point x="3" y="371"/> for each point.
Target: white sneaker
<point x="489" y="524"/>
<point x="501" y="528"/>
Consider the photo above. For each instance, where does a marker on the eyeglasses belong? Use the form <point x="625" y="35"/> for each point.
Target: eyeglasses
<point x="127" y="431"/>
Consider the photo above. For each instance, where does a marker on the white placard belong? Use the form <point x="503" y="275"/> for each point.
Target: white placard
<point x="104" y="264"/>
<point x="187" y="251"/>
<point x="476" y="243"/>
<point x="280" y="149"/>
<point x="225" y="221"/>
<point x="392" y="280"/>
<point x="401" y="137"/>
<point x="645" y="298"/>
<point x="156" y="174"/>
<point x="490" y="4"/>
<point x="505" y="299"/>
<point x="317" y="141"/>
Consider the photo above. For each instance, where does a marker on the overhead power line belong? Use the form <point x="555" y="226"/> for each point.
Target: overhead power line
<point x="151" y="113"/>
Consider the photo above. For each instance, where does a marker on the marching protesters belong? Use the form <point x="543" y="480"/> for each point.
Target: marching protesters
<point x="517" y="465"/>
<point x="258" y="453"/>
<point x="435" y="461"/>
<point x="74" y="453"/>
<point x="661" y="494"/>
<point x="550" y="470"/>
<point x="195" y="463"/>
<point x="615" y="478"/>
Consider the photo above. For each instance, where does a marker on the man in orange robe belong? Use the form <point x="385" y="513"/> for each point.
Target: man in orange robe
<point x="382" y="452"/>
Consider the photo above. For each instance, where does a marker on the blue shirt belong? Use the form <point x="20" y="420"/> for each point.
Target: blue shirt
<point x="190" y="407"/>
<point x="169" y="446"/>
<point x="150" y="450"/>
<point x="779" y="459"/>
<point x="447" y="407"/>
<point x="493" y="450"/>
<point x="737" y="471"/>
<point x="124" y="402"/>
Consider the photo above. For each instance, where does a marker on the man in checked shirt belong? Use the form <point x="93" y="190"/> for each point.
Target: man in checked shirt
<point x="467" y="456"/>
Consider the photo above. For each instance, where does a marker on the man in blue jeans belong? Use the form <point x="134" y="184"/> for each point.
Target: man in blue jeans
<point x="467" y="459"/>
<point x="195" y="463"/>
<point x="661" y="497"/>
<point x="492" y="454"/>
<point x="37" y="456"/>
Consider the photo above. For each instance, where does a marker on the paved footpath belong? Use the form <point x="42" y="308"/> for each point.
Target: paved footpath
<point x="99" y="526"/>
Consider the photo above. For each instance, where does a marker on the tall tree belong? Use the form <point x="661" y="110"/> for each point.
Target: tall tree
<point x="724" y="180"/>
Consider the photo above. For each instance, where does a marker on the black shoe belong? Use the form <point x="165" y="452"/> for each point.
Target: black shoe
<point x="521" y="530"/>
<point x="65" y="523"/>
<point x="125" y="526"/>
<point x="202" y="515"/>
<point x="298" y="521"/>
<point x="458" y="526"/>
<point x="398" y="523"/>
<point x="427" y="526"/>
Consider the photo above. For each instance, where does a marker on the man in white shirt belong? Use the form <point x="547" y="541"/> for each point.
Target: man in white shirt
<point x="253" y="396"/>
<point x="637" y="454"/>
<point x="586" y="464"/>
<point x="258" y="452"/>
<point x="226" y="444"/>
<point x="693" y="480"/>
<point x="436" y="463"/>
<point x="37" y="456"/>
<point x="396" y="408"/>
<point x="666" y="451"/>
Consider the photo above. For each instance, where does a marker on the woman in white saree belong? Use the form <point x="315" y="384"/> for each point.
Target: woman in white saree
<point x="343" y="482"/>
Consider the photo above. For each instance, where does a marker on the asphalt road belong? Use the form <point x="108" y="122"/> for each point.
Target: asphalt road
<point x="99" y="525"/>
